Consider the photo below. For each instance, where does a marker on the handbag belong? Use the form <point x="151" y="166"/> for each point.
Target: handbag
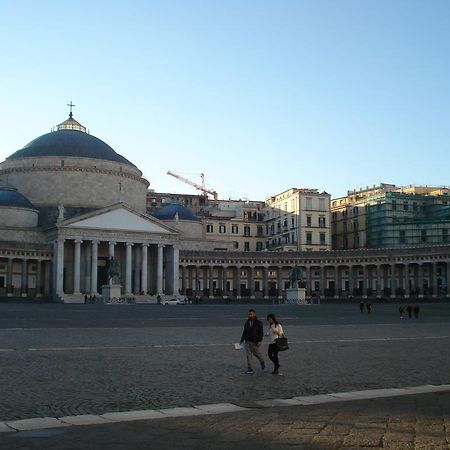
<point x="282" y="343"/>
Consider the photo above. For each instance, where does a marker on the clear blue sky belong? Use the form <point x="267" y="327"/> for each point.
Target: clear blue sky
<point x="259" y="95"/>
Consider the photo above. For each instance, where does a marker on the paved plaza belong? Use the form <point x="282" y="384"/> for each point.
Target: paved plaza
<point x="70" y="360"/>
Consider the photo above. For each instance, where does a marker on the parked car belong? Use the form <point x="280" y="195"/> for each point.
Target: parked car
<point x="172" y="301"/>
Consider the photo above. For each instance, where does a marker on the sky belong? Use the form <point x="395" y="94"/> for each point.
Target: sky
<point x="260" y="96"/>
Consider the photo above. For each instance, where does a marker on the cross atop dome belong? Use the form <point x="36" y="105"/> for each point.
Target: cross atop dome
<point x="71" y="123"/>
<point x="70" y="105"/>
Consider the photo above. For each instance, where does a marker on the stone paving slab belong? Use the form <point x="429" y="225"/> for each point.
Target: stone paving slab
<point x="220" y="408"/>
<point x="84" y="419"/>
<point x="127" y="416"/>
<point x="182" y="412"/>
<point x="37" y="423"/>
<point x="5" y="429"/>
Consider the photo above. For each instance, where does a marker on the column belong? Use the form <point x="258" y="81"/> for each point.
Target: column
<point x="280" y="282"/>
<point x="94" y="266"/>
<point x="24" y="279"/>
<point x="224" y="281"/>
<point x="59" y="284"/>
<point x="159" y="269"/>
<point x="144" y="268"/>
<point x="176" y="270"/>
<point x="76" y="266"/>
<point x="210" y="281"/>
<point x="137" y="268"/>
<point x="434" y="279"/>
<point x="351" y="288"/>
<point x="406" y="278"/>
<point x="393" y="281"/>
<point x="323" y="280"/>
<point x="448" y="278"/>
<point x="336" y="281"/>
<point x="420" y="279"/>
<point x="185" y="271"/>
<point x="266" y="281"/>
<point x="379" y="269"/>
<point x="38" y="278"/>
<point x="238" y="282"/>
<point x="128" y="268"/>
<point x="111" y="253"/>
<point x="251" y="281"/>
<point x="197" y="279"/>
<point x="364" y="280"/>
<point x="9" y="287"/>
<point x="308" y="281"/>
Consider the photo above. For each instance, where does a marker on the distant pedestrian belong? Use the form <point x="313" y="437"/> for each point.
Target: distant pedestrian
<point x="90" y="299"/>
<point x="85" y="298"/>
<point x="275" y="331"/>
<point x="252" y="337"/>
<point x="416" y="311"/>
<point x="369" y="307"/>
<point x="401" y="311"/>
<point x="361" y="307"/>
<point x="409" y="310"/>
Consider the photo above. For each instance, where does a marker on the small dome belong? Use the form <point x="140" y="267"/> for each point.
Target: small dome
<point x="170" y="211"/>
<point x="10" y="197"/>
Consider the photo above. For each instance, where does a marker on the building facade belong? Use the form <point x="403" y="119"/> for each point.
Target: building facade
<point x="387" y="216"/>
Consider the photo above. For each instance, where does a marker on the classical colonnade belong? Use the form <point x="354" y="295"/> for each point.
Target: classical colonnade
<point x="81" y="266"/>
<point x="333" y="274"/>
<point x="25" y="273"/>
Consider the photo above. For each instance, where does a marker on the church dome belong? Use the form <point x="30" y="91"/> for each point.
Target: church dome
<point x="69" y="140"/>
<point x="171" y="210"/>
<point x="10" y="197"/>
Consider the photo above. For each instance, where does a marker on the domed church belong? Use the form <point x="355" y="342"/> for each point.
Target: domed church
<point x="68" y="204"/>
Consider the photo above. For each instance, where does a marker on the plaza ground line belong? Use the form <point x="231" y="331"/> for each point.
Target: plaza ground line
<point x="207" y="344"/>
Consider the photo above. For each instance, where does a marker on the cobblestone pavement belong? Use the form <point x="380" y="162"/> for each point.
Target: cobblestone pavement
<point x="420" y="422"/>
<point x="79" y="359"/>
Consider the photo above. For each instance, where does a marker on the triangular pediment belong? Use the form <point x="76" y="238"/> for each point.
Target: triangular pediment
<point x="119" y="218"/>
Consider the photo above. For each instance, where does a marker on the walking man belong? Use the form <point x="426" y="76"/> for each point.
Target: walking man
<point x="252" y="336"/>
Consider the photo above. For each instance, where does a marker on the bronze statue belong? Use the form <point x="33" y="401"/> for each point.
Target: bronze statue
<point x="113" y="270"/>
<point x="295" y="278"/>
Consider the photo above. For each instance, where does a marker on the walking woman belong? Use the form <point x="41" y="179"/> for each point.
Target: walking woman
<point x="275" y="331"/>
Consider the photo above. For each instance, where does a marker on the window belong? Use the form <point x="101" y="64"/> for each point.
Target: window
<point x="322" y="204"/>
<point x="209" y="228"/>
<point x="308" y="237"/>
<point x="355" y="225"/>
<point x="259" y="231"/>
<point x="246" y="230"/>
<point x="355" y="211"/>
<point x="293" y="237"/>
<point x="402" y="237"/>
<point x="394" y="205"/>
<point x="414" y="206"/>
<point x="222" y="229"/>
<point x="308" y="221"/>
<point x="308" y="203"/>
<point x="322" y="222"/>
<point x="322" y="238"/>
<point x="405" y="206"/>
<point x="423" y="236"/>
<point x="246" y="246"/>
<point x="445" y="235"/>
<point x="234" y="229"/>
<point x="259" y="246"/>
<point x="292" y="222"/>
<point x="236" y="244"/>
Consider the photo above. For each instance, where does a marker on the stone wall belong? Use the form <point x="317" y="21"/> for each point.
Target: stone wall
<point x="14" y="216"/>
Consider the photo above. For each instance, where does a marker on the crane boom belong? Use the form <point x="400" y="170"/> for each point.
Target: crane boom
<point x="197" y="186"/>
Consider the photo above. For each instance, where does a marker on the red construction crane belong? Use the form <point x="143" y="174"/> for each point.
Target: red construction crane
<point x="197" y="186"/>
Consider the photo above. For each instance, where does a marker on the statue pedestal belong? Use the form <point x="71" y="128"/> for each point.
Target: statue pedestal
<point x="295" y="296"/>
<point x="110" y="291"/>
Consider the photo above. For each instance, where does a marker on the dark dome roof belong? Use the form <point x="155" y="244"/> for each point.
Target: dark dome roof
<point x="168" y="212"/>
<point x="10" y="197"/>
<point x="68" y="143"/>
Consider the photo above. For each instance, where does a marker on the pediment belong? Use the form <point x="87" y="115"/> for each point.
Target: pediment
<point x="120" y="218"/>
